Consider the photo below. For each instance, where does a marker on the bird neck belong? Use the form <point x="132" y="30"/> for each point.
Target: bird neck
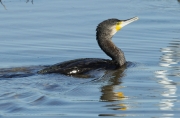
<point x="106" y="44"/>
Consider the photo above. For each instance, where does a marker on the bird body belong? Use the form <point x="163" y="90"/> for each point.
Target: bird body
<point x="80" y="66"/>
<point x="104" y="33"/>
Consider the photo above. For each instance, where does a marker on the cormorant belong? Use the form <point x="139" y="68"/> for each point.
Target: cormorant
<point x="104" y="33"/>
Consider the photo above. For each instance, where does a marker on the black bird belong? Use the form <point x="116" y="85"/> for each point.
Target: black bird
<point x="104" y="33"/>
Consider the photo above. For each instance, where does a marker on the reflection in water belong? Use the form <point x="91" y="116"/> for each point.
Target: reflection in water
<point x="5" y="6"/>
<point x="28" y="1"/>
<point x="170" y="60"/>
<point x="109" y="93"/>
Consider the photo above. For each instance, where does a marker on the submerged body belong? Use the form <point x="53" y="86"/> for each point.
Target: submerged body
<point x="80" y="66"/>
<point x="104" y="33"/>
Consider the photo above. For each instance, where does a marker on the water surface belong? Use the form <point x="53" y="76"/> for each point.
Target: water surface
<point x="49" y="32"/>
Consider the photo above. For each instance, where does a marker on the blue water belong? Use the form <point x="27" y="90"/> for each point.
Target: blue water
<point x="49" y="32"/>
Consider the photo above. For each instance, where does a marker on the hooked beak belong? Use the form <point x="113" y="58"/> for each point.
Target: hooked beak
<point x="128" y="21"/>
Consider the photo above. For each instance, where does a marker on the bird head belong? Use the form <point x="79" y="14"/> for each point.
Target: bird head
<point x="111" y="26"/>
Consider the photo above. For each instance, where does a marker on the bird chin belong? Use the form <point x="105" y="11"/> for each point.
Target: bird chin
<point x="113" y="31"/>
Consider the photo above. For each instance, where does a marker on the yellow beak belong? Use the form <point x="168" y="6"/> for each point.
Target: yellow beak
<point x="125" y="22"/>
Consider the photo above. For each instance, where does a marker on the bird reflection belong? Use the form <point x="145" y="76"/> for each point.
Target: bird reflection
<point x="109" y="91"/>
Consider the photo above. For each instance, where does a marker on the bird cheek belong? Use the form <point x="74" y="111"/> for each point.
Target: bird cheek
<point x="113" y="31"/>
<point x="118" y="27"/>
